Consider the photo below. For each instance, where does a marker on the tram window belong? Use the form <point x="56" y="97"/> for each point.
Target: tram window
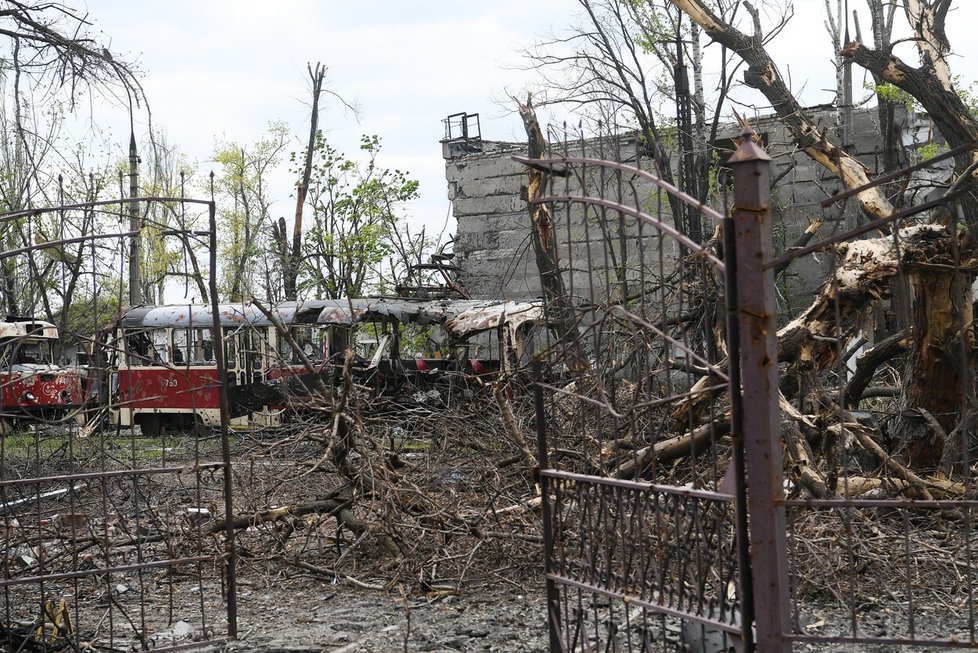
<point x="32" y="353"/>
<point x="138" y="346"/>
<point x="180" y="346"/>
<point x="202" y="346"/>
<point x="161" y="346"/>
<point x="230" y="352"/>
<point x="310" y="341"/>
<point x="285" y="353"/>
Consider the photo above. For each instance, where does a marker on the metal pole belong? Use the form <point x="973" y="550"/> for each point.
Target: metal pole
<point x="135" y="247"/>
<point x="759" y="380"/>
<point x="222" y="383"/>
<point x="737" y="436"/>
<point x="553" y="597"/>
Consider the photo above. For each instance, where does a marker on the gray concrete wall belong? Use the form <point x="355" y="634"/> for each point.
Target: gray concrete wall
<point x="492" y="241"/>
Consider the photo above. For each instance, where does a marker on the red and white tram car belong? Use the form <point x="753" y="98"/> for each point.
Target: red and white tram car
<point x="163" y="371"/>
<point x="32" y="385"/>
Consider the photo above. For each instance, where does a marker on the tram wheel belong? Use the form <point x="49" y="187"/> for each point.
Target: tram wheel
<point x="201" y="430"/>
<point x="151" y="425"/>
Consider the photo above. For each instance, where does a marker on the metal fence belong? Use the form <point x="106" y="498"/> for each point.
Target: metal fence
<point x="113" y="539"/>
<point x="712" y="481"/>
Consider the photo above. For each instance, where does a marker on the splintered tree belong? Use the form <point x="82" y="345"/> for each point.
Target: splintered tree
<point x="290" y="253"/>
<point x="637" y="64"/>
<point x="936" y="381"/>
<point x="937" y="393"/>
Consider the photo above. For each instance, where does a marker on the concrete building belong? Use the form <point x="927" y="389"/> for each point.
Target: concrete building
<point x="492" y="242"/>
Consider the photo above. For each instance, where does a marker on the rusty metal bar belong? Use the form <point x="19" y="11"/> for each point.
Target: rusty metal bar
<point x="899" y="504"/>
<point x="148" y="471"/>
<point x="892" y="176"/>
<point x="698" y="250"/>
<point x="191" y="646"/>
<point x="91" y="205"/>
<point x="737" y="461"/>
<point x="225" y="411"/>
<point x="553" y="594"/>
<point x="135" y="225"/>
<point x="858" y="231"/>
<point x="884" y="641"/>
<point x="610" y="410"/>
<point x="552" y="163"/>
<point x="759" y="371"/>
<point x="649" y="605"/>
<point x="8" y="582"/>
<point x="66" y="241"/>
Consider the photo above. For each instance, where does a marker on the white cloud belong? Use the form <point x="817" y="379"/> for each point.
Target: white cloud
<point x="229" y="67"/>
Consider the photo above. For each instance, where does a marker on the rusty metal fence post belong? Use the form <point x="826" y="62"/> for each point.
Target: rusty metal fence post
<point x="553" y="594"/>
<point x="759" y="386"/>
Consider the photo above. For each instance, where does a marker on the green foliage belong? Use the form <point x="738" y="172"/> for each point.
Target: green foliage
<point x="242" y="188"/>
<point x="930" y="149"/>
<point x="968" y="95"/>
<point x="357" y="221"/>
<point x="892" y="94"/>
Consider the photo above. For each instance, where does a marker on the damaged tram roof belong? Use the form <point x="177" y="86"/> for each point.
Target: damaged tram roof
<point x="460" y="316"/>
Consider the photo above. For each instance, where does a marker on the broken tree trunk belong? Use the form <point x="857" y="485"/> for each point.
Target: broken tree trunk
<point x="762" y="73"/>
<point x="941" y="337"/>
<point x="940" y="269"/>
<point x="935" y="370"/>
<point x="545" y="250"/>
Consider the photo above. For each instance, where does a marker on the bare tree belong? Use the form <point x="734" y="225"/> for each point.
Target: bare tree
<point x="291" y="255"/>
<point x="48" y="59"/>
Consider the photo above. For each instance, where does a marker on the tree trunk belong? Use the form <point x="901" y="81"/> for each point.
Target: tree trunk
<point x="293" y="254"/>
<point x="944" y="106"/>
<point x="763" y="74"/>
<point x="545" y="249"/>
<point x="932" y="377"/>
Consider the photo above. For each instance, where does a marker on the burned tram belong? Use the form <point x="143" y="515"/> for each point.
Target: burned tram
<point x="34" y="386"/>
<point x="160" y="371"/>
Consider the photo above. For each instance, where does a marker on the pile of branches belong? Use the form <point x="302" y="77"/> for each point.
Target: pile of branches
<point x="430" y="487"/>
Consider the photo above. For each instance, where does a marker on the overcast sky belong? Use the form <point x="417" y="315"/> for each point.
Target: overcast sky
<point x="226" y="68"/>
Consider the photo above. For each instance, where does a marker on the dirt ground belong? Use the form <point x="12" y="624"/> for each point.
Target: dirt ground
<point x="459" y="583"/>
<point x="322" y="617"/>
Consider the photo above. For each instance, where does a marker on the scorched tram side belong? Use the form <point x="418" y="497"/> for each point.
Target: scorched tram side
<point x="33" y="386"/>
<point x="162" y="371"/>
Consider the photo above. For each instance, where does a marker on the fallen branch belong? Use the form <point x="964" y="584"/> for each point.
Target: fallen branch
<point x="855" y="486"/>
<point x="331" y="507"/>
<point x="927" y="487"/>
<point x="799" y="454"/>
<point x="870" y="360"/>
<point x="324" y="571"/>
<point x="676" y="447"/>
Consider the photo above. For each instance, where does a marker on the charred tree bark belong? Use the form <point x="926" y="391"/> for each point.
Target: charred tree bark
<point x="545" y="249"/>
